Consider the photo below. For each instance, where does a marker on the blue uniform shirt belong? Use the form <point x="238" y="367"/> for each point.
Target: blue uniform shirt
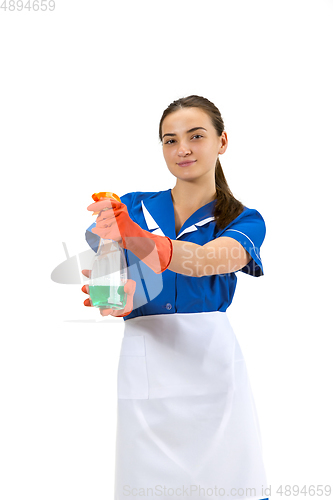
<point x="170" y="292"/>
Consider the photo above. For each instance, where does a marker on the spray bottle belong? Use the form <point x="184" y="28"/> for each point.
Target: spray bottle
<point x="109" y="269"/>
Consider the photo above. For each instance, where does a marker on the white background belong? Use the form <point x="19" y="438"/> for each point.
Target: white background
<point x="82" y="90"/>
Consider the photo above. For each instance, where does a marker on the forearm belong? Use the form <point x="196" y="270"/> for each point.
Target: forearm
<point x="187" y="258"/>
<point x="220" y="256"/>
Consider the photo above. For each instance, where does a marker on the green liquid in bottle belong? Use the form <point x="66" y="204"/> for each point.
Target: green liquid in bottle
<point x="107" y="297"/>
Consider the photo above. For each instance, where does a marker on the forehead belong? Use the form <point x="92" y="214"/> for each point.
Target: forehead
<point x="185" y="119"/>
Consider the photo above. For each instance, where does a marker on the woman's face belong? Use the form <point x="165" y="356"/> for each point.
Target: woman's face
<point x="189" y="153"/>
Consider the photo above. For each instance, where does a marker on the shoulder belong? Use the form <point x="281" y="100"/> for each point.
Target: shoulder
<point x="249" y="217"/>
<point x="249" y="224"/>
<point x="249" y="214"/>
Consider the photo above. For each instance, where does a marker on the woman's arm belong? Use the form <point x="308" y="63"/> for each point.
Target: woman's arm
<point x="220" y="256"/>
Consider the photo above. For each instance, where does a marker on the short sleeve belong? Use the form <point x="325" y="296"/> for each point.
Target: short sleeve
<point x="249" y="230"/>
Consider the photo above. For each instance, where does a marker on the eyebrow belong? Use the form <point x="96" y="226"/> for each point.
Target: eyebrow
<point x="191" y="130"/>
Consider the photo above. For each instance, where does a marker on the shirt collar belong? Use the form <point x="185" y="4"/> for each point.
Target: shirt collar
<point x="159" y="215"/>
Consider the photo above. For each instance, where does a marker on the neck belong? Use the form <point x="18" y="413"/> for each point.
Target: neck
<point x="188" y="194"/>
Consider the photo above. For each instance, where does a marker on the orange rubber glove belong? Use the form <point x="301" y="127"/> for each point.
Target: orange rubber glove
<point x="115" y="224"/>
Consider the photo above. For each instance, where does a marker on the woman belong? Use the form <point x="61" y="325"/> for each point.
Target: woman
<point x="187" y="424"/>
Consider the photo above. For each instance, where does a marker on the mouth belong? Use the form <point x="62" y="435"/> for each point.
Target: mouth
<point x="186" y="163"/>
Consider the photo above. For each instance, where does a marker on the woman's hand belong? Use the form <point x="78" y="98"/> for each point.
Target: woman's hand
<point x="129" y="288"/>
<point x="112" y="217"/>
<point x="114" y="223"/>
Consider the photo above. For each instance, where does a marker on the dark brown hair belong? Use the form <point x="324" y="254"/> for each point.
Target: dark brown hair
<point x="227" y="208"/>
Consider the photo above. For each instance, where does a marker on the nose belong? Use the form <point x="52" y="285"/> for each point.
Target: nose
<point x="183" y="149"/>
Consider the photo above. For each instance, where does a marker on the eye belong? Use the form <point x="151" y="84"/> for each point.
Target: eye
<point x="170" y="141"/>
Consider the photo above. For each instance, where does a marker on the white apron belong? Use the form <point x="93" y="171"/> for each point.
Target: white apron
<point x="186" y="424"/>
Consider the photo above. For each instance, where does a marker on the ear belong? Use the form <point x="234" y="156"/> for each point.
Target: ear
<point x="224" y="143"/>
